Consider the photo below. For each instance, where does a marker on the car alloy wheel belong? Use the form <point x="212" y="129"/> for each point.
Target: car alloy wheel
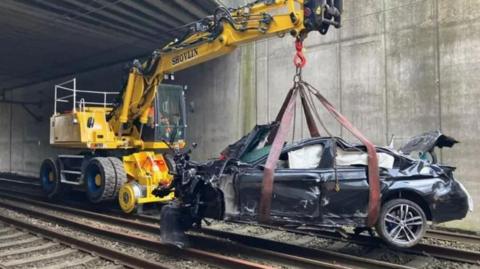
<point x="402" y="223"/>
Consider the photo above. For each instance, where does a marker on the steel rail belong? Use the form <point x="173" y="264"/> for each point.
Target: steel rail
<point x="449" y="253"/>
<point x="262" y="253"/>
<point x="19" y="177"/>
<point x="437" y="251"/>
<point x="443" y="252"/>
<point x="266" y="249"/>
<point x="205" y="256"/>
<point x="453" y="236"/>
<point x="85" y="246"/>
<point x="431" y="233"/>
<point x="20" y="182"/>
<point x="328" y="255"/>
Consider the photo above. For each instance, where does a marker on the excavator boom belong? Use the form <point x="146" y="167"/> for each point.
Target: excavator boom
<point x="215" y="36"/>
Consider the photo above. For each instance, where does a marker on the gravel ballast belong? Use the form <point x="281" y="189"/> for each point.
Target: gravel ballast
<point x="173" y="262"/>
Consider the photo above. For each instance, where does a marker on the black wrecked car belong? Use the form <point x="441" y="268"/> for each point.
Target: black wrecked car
<point x="319" y="182"/>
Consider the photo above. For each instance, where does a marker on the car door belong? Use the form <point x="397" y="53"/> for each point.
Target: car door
<point x="345" y="193"/>
<point x="296" y="189"/>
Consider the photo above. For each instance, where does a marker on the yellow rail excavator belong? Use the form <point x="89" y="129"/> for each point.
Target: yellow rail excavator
<point x="122" y="143"/>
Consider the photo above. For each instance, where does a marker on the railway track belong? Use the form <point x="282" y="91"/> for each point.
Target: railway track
<point x="449" y="253"/>
<point x="437" y="251"/>
<point x="206" y="257"/>
<point x="453" y="236"/>
<point x="273" y="252"/>
<point x="25" y="245"/>
<point x="431" y="233"/>
<point x="442" y="252"/>
<point x="22" y="182"/>
<point x="149" y="224"/>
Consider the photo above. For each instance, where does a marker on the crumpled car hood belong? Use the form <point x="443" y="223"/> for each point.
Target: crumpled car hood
<point x="426" y="142"/>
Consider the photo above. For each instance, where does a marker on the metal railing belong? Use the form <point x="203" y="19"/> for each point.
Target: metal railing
<point x="76" y="97"/>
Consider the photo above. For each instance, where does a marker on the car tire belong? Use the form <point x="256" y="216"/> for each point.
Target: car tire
<point x="402" y="223"/>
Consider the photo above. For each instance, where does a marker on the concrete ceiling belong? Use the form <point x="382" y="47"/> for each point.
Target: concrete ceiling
<point x="46" y="39"/>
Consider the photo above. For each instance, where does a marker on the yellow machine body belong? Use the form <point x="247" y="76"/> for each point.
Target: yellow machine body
<point x="147" y="170"/>
<point x="73" y="130"/>
<point x="90" y="129"/>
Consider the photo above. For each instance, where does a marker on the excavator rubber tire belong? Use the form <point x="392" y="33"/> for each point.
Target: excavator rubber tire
<point x="100" y="179"/>
<point x="50" y="178"/>
<point x="120" y="174"/>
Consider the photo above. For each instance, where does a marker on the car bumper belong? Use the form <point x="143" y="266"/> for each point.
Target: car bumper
<point x="451" y="202"/>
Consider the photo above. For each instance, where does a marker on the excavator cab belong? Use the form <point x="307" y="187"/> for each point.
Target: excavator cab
<point x="167" y="116"/>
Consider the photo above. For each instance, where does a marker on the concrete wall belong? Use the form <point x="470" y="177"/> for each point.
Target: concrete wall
<point x="5" y="137"/>
<point x="24" y="142"/>
<point x="395" y="68"/>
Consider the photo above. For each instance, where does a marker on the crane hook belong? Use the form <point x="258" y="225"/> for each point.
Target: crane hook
<point x="299" y="60"/>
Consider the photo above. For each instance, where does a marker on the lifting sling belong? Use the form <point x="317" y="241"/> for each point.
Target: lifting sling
<point x="279" y="134"/>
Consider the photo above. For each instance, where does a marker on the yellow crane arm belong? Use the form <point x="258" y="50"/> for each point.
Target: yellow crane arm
<point x="215" y="36"/>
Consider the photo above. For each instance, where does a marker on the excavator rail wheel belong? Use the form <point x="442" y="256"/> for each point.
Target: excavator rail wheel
<point x="128" y="196"/>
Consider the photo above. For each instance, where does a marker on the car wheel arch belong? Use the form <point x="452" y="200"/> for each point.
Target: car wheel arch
<point x="410" y="195"/>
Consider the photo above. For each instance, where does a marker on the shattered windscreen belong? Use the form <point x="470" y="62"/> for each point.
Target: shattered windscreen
<point x="247" y="148"/>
